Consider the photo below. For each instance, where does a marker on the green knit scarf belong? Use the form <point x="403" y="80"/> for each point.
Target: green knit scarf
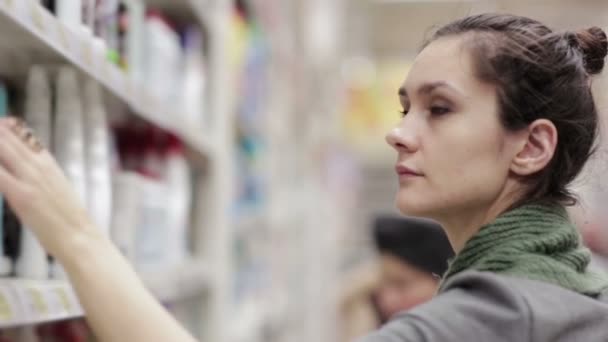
<point x="536" y="242"/>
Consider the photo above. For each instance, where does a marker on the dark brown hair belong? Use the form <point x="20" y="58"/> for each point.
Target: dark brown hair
<point x="540" y="73"/>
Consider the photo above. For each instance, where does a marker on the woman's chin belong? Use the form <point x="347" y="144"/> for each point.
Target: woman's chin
<point x="412" y="206"/>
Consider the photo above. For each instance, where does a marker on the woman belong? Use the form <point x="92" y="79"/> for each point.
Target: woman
<point x="498" y="120"/>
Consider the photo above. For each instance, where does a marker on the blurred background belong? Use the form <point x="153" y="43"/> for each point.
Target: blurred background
<point x="234" y="151"/>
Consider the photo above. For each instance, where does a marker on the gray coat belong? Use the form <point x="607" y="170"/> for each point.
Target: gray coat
<point x="485" y="307"/>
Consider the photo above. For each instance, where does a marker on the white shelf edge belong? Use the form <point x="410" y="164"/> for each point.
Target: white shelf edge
<point x="34" y="19"/>
<point x="28" y="302"/>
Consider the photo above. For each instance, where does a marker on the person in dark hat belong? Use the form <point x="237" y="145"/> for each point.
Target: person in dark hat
<point x="414" y="253"/>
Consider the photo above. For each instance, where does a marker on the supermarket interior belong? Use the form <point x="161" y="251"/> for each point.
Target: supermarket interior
<point x="248" y="208"/>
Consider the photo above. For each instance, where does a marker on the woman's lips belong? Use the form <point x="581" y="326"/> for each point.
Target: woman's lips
<point x="405" y="172"/>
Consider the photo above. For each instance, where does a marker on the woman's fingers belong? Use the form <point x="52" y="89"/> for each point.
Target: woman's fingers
<point x="9" y="185"/>
<point x="17" y="147"/>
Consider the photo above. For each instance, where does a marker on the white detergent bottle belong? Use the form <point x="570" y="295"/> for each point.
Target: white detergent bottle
<point x="68" y="134"/>
<point x="70" y="13"/>
<point x="179" y="185"/>
<point x="97" y="149"/>
<point x="32" y="262"/>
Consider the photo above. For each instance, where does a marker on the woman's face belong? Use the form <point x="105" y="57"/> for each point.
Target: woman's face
<point x="452" y="149"/>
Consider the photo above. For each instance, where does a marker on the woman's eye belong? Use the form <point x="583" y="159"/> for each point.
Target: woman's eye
<point x="403" y="112"/>
<point x="439" y="110"/>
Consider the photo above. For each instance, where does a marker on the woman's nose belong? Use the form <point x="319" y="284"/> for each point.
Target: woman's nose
<point x="401" y="139"/>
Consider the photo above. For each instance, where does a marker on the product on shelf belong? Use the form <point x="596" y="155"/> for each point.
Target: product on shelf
<point x="68" y="134"/>
<point x="32" y="261"/>
<point x="126" y="203"/>
<point x="5" y="263"/>
<point x="167" y="58"/>
<point x="98" y="163"/>
<point x="194" y="79"/>
<point x="162" y="50"/>
<point x="70" y="13"/>
<point x="152" y="197"/>
<point x="179" y="185"/>
<point x="135" y="58"/>
<point x="68" y="144"/>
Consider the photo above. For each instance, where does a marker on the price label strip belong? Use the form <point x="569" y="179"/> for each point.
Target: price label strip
<point x="36" y="17"/>
<point x="8" y="309"/>
<point x="36" y="303"/>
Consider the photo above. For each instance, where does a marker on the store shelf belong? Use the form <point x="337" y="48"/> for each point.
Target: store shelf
<point x="30" y="34"/>
<point x="28" y="302"/>
<point x="188" y="280"/>
<point x="25" y="302"/>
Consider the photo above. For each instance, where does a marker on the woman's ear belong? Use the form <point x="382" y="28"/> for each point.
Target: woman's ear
<point x="537" y="149"/>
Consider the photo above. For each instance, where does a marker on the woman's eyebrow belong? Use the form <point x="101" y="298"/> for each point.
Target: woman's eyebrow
<point x="426" y="88"/>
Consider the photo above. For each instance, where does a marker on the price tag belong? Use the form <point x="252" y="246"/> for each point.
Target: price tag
<point x="130" y="90"/>
<point x="63" y="35"/>
<point x="105" y="69"/>
<point x="64" y="299"/>
<point x="52" y="29"/>
<point x="75" y="43"/>
<point x="8" y="311"/>
<point x="36" y="17"/>
<point x="10" y="6"/>
<point x="33" y="302"/>
<point x="57" y="301"/>
<point x="119" y="80"/>
<point x="19" y="9"/>
<point x="87" y="56"/>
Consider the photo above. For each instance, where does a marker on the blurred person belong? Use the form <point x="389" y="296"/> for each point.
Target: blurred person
<point x="414" y="254"/>
<point x="498" y="119"/>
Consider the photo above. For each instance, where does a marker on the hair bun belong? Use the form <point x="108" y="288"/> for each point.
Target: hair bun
<point x="594" y="46"/>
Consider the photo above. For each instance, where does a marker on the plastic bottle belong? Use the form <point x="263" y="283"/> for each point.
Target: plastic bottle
<point x="68" y="134"/>
<point x="70" y="13"/>
<point x="194" y="79"/>
<point x="179" y="185"/>
<point x="135" y="40"/>
<point x="32" y="261"/>
<point x="5" y="262"/>
<point x="97" y="148"/>
<point x="126" y="212"/>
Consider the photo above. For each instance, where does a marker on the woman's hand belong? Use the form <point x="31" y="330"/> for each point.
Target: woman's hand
<point x="42" y="197"/>
<point x="38" y="191"/>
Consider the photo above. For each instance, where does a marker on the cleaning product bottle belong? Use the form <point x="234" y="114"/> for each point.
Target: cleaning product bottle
<point x="179" y="186"/>
<point x="70" y="13"/>
<point x="99" y="183"/>
<point x="68" y="134"/>
<point x="5" y="262"/>
<point x="32" y="261"/>
<point x="193" y="78"/>
<point x="136" y="59"/>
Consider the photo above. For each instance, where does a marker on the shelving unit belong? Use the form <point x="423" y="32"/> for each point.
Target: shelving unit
<point x="27" y="26"/>
<point x="200" y="292"/>
<point x="196" y="291"/>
